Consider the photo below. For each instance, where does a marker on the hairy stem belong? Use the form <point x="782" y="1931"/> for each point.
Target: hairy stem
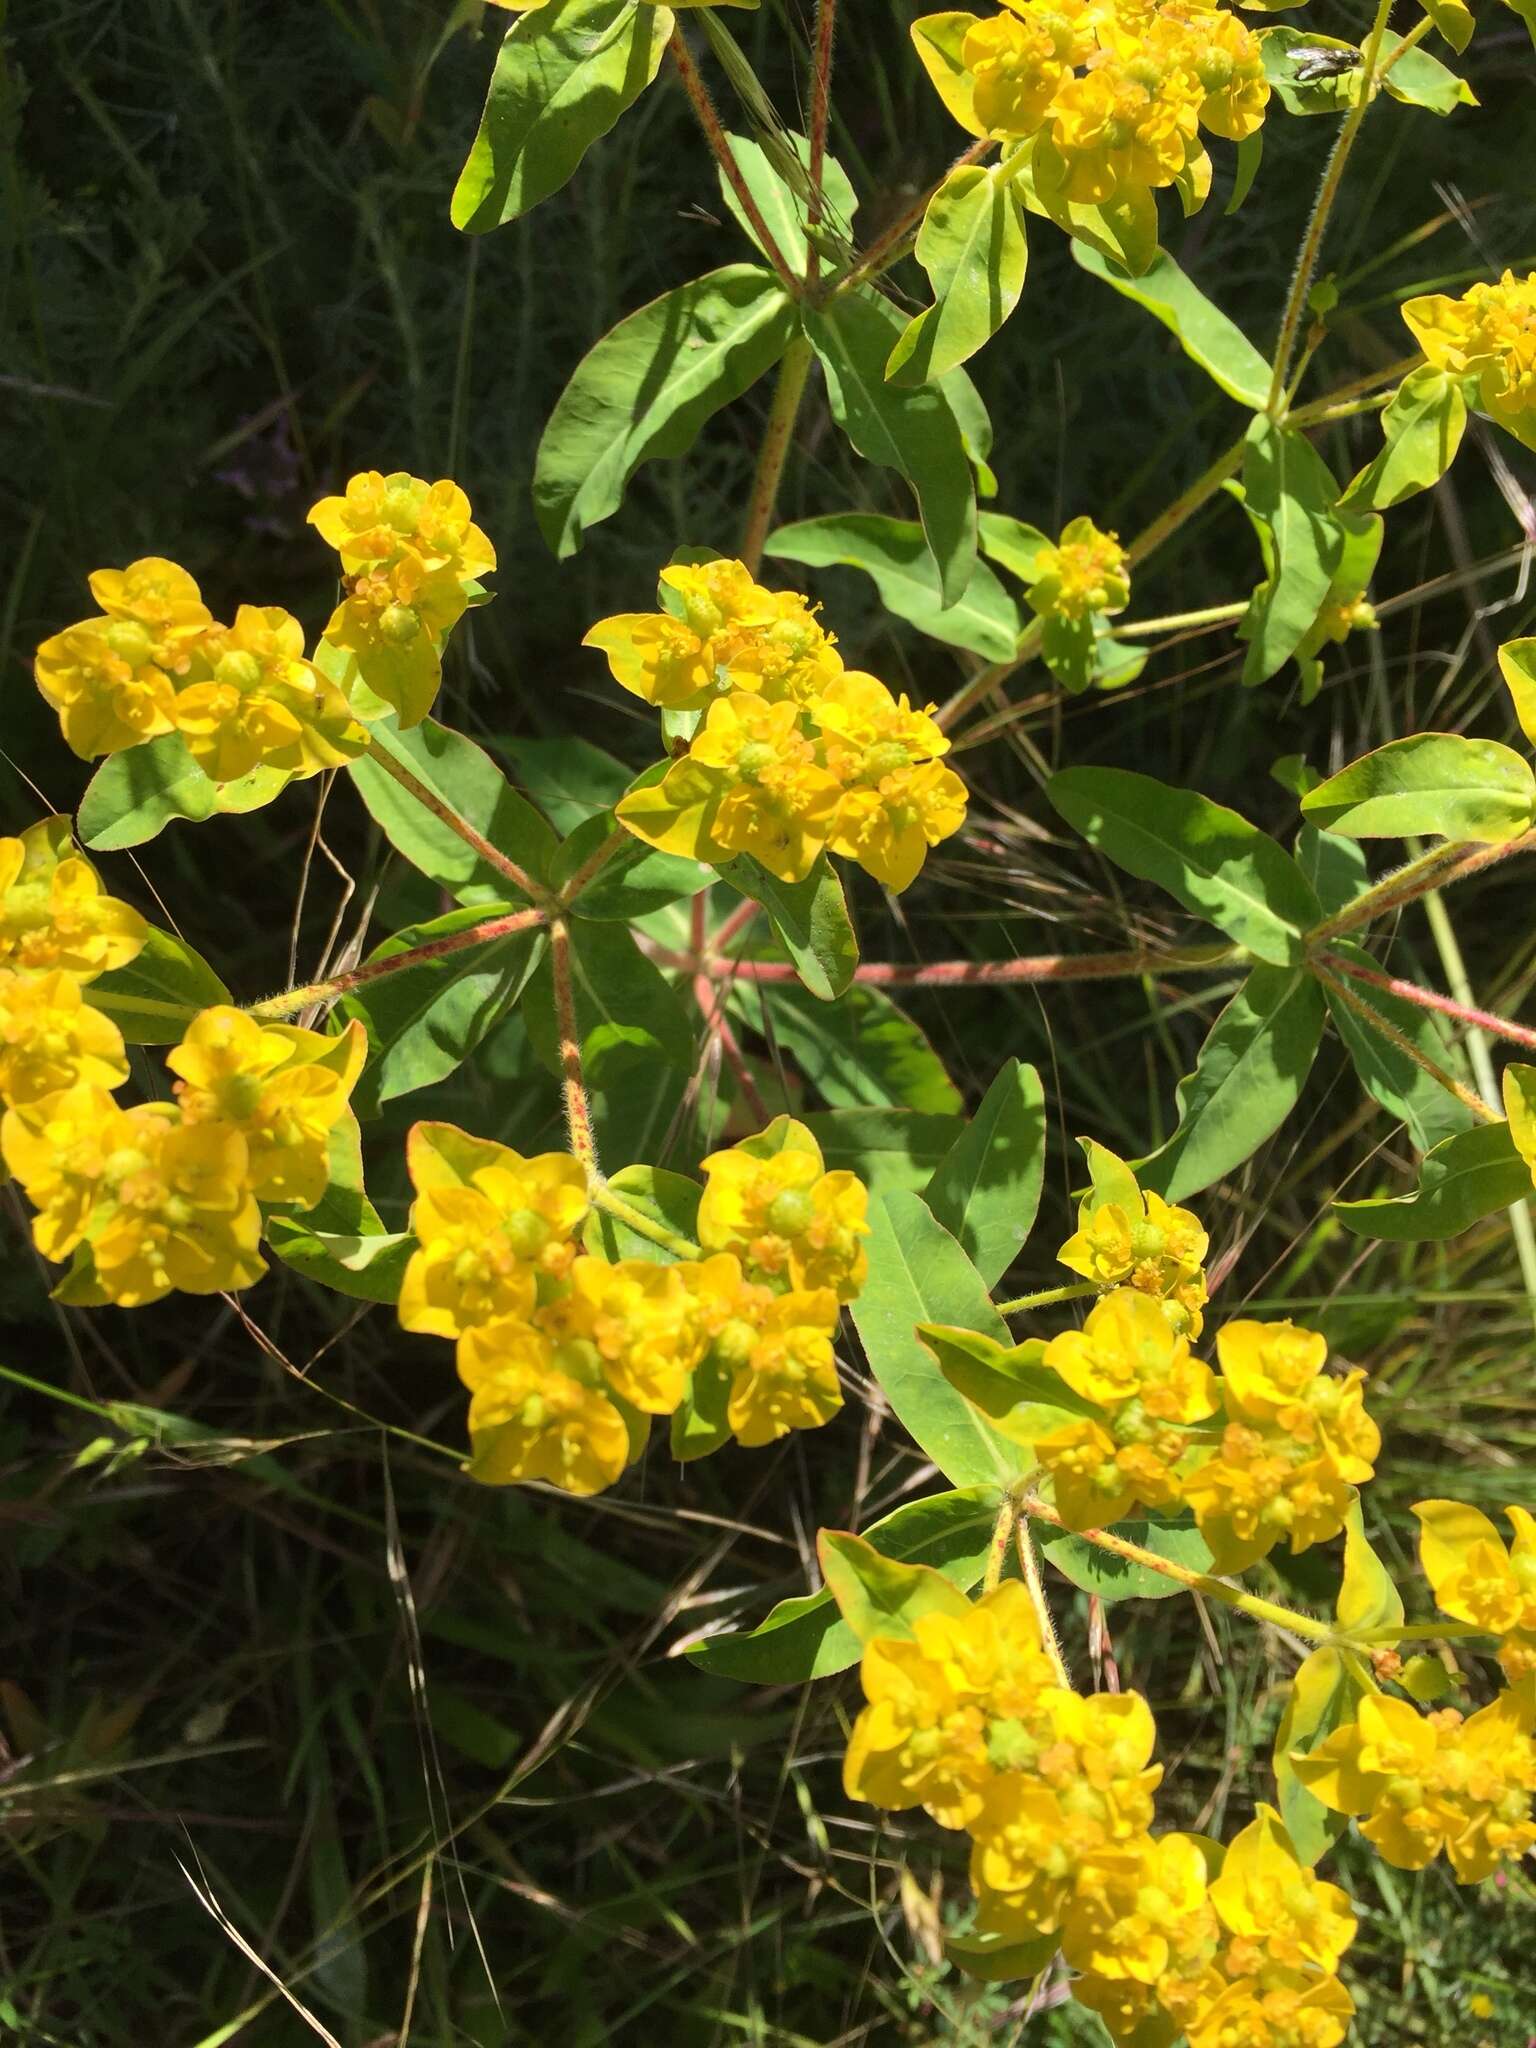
<point x="714" y="134"/>
<point x="1374" y="1021"/>
<point x="821" y="108"/>
<point x="604" y="1198"/>
<point x="778" y="433"/>
<point x="1048" y="1297"/>
<point x="1427" y="999"/>
<point x="896" y="238"/>
<point x="1198" y="1582"/>
<point x="997" y="1550"/>
<point x="1322" y="210"/>
<point x="1027" y="968"/>
<point x="476" y="840"/>
<point x="1437" y="869"/>
<point x="578" y="1111"/>
<point x="1029" y="1565"/>
<point x="292" y="1000"/>
<point x="595" y="861"/>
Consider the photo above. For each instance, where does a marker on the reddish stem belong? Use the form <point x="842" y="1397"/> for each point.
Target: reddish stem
<point x="984" y="973"/>
<point x="1427" y="999"/>
<point x="714" y="134"/>
<point x="887" y="248"/>
<point x="578" y="1111"/>
<point x="821" y="106"/>
<point x="293" y="999"/>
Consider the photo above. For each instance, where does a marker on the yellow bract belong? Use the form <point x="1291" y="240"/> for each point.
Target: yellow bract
<point x="284" y="1089"/>
<point x="1427" y="1782"/>
<point x="1085" y="574"/>
<point x="1488" y="334"/>
<point x="53" y="914"/>
<point x="795" y="754"/>
<point x="568" y="1353"/>
<point x="254" y="701"/>
<point x="51" y="1038"/>
<point x="1476" y="1579"/>
<point x="1148" y="1245"/>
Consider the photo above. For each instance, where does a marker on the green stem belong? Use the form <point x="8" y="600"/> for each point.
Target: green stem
<point x="997" y="1549"/>
<point x="1197" y="1582"/>
<point x="1391" y="893"/>
<point x="890" y="246"/>
<point x="1317" y="226"/>
<point x="1047" y="1298"/>
<point x="778" y="433"/>
<point x="292" y="1000"/>
<point x="1213" y="615"/>
<point x="1029" y="1565"/>
<point x="645" y="1226"/>
<point x="1374" y="1021"/>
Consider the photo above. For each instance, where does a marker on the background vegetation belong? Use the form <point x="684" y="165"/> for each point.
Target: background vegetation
<point x="289" y="1705"/>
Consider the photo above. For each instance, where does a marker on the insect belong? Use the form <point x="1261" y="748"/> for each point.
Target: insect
<point x="1313" y="61"/>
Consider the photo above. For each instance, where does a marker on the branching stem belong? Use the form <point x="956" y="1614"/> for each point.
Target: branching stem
<point x="292" y="1000"/>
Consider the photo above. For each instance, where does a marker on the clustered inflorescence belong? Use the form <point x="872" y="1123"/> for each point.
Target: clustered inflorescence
<point x="160" y="1195"/>
<point x="568" y="1352"/>
<point x="789" y="753"/>
<point x="1487" y="337"/>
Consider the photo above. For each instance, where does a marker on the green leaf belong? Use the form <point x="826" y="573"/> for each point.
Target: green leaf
<point x="626" y="1012"/>
<point x="365" y="1268"/>
<point x="1420" y="80"/>
<point x="155" y="997"/>
<point x="1325" y="1693"/>
<point x="1008" y="1386"/>
<point x="633" y="881"/>
<point x="667" y="1198"/>
<point x="972" y="245"/>
<point x="1202" y="330"/>
<point x="1110" y="1181"/>
<point x="806" y="1638"/>
<point x="876" y="1595"/>
<point x="1289" y="487"/>
<point x="809" y="918"/>
<point x="1432" y="782"/>
<point x="425" y="1021"/>
<point x="1000" y="1958"/>
<point x="1423" y="427"/>
<point x="782" y="196"/>
<point x="1430" y="1112"/>
<point x="1123" y="228"/>
<point x="1012" y="544"/>
<point x="1216" y="863"/>
<point x="886" y="1148"/>
<point x="568" y="778"/>
<point x="344" y="1210"/>
<point x="918" y="1274"/>
<point x="1368" y="1599"/>
<point x="643" y="392"/>
<point x="466" y="779"/>
<point x="1462" y="1180"/>
<point x="1247" y="1080"/>
<point x="986" y="1191"/>
<point x="860" y="1051"/>
<point x="1113" y="1578"/>
<point x="895" y="555"/>
<point x="913" y="432"/>
<point x="938" y="39"/>
<point x="565" y="74"/>
<point x="1517" y="665"/>
<point x="136" y="794"/>
<point x="1335" y="867"/>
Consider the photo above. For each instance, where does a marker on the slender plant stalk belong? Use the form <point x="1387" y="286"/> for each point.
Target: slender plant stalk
<point x="988" y="973"/>
<point x="1198" y="1582"/>
<point x="1178" y="622"/>
<point x="1372" y="1018"/>
<point x="476" y="840"/>
<point x="1322" y="210"/>
<point x="1048" y="1297"/>
<point x="604" y="1198"/>
<point x="594" y="863"/>
<point x="893" y="242"/>
<point x="778" y="434"/>
<point x="821" y="108"/>
<point x="578" y="1111"/>
<point x="1435" y="870"/>
<point x="714" y="134"/>
<point x="1029" y="1565"/>
<point x="293" y="1000"/>
<point x="997" y="1549"/>
<point x="1427" y="999"/>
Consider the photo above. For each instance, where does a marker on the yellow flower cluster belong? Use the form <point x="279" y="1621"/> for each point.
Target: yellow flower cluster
<point x="1294" y="1440"/>
<point x="1086" y="573"/>
<point x="1487" y="336"/>
<point x="568" y="1354"/>
<point x="794" y="753"/>
<point x="1477" y="1580"/>
<point x="163" y="1195"/>
<point x="968" y="1719"/>
<point x="1427" y="1782"/>
<point x="1110" y="95"/>
<point x="1138" y="1240"/>
<point x="155" y="661"/>
<point x="411" y="560"/>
